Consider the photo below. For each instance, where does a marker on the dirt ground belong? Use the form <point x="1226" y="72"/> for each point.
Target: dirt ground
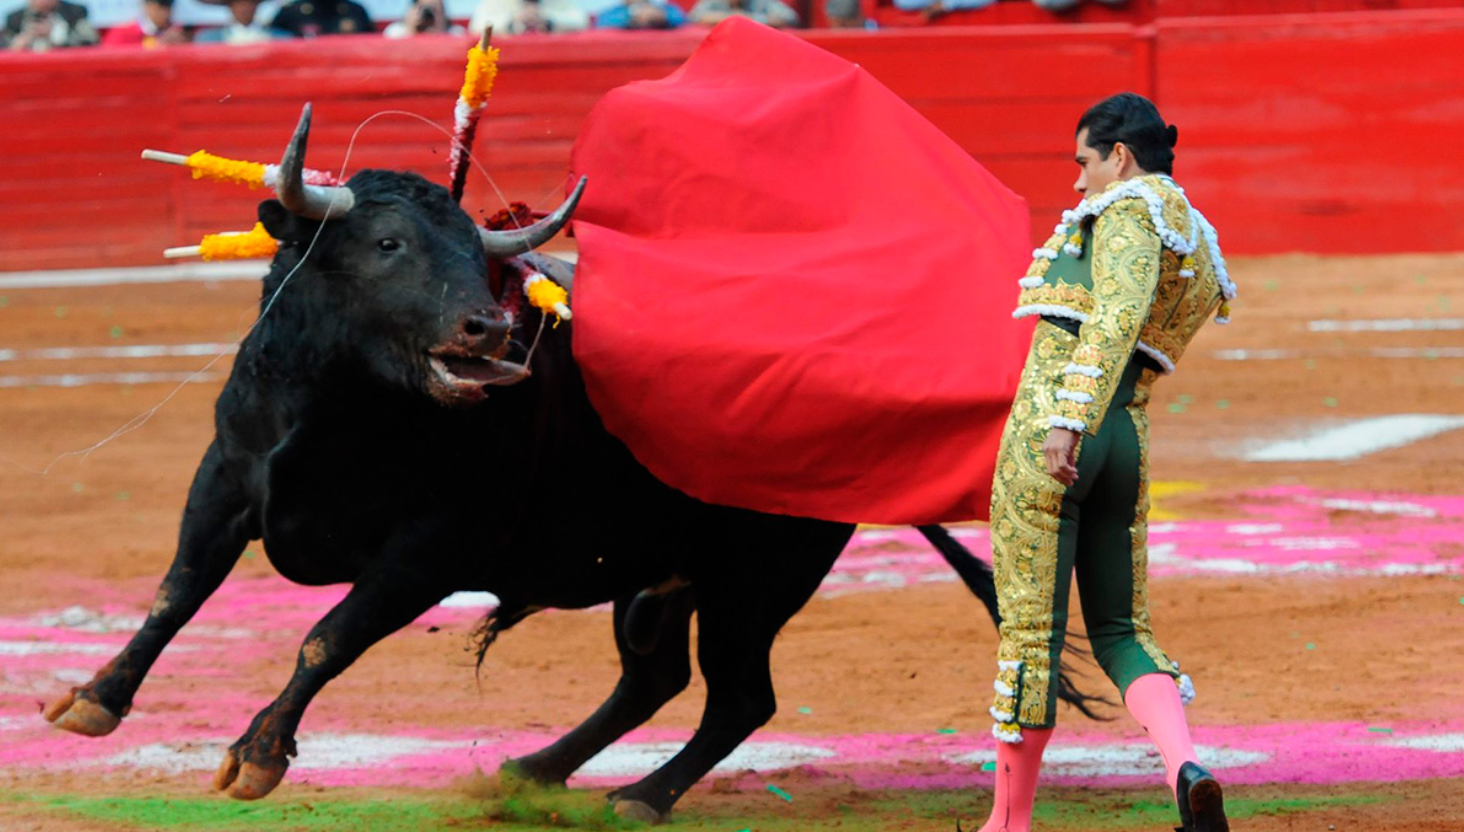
<point x="1282" y="654"/>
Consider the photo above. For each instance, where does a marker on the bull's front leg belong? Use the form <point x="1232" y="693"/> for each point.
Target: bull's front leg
<point x="216" y="527"/>
<point x="377" y="606"/>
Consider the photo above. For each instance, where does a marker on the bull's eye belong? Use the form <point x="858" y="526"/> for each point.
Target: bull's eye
<point x="388" y="244"/>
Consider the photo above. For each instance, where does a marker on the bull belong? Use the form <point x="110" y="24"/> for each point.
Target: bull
<point x="354" y="438"/>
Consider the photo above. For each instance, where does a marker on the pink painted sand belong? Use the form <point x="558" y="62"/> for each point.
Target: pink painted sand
<point x="1283" y="532"/>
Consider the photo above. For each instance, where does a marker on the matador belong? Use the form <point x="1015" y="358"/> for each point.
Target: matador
<point x="1126" y="280"/>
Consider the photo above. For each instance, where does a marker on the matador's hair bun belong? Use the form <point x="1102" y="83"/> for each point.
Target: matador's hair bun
<point x="1133" y="120"/>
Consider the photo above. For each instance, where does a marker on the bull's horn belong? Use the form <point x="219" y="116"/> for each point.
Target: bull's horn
<point x="502" y="244"/>
<point x="313" y="201"/>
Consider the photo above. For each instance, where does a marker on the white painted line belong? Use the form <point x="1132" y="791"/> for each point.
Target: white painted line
<point x="178" y="273"/>
<point x="634" y="758"/>
<point x="317" y="751"/>
<point x="469" y="600"/>
<point x="1356" y="439"/>
<point x="1256" y="355"/>
<point x="1443" y="743"/>
<point x="1389" y="325"/>
<point x="86" y="380"/>
<point x="1377" y="507"/>
<point x="37" y="648"/>
<point x="1117" y="759"/>
<point x="1418" y="352"/>
<point x="135" y="351"/>
<point x="1426" y="353"/>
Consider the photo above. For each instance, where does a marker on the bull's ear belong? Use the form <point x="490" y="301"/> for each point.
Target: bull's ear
<point x="283" y="225"/>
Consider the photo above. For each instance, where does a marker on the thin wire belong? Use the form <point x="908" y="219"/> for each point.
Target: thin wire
<point x="144" y="417"/>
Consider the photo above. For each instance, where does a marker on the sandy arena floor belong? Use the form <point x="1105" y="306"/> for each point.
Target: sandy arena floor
<point x="1313" y="590"/>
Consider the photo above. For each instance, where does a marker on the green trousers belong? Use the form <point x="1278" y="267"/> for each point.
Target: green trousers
<point x="1042" y="532"/>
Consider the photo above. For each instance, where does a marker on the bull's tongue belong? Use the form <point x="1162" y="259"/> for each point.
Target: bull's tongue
<point x="482" y="370"/>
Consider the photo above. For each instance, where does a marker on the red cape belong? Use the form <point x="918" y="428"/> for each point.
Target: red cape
<point x="794" y="293"/>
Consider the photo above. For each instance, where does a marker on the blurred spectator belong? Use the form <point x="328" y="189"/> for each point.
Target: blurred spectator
<point x="641" y="14"/>
<point x="423" y="17"/>
<point x="311" y="18"/>
<point x="47" y="24"/>
<point x="154" y="28"/>
<point x="1064" y="5"/>
<point x="934" y="8"/>
<point x="844" y="14"/>
<point x="244" y="28"/>
<point x="770" y="12"/>
<point x="515" y="17"/>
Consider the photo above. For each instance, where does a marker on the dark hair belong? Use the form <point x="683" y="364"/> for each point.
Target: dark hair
<point x="1134" y="120"/>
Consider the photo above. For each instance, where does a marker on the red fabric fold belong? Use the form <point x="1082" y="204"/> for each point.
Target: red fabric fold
<point x="794" y="293"/>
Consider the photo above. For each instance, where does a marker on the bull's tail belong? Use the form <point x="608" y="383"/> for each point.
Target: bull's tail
<point x="497" y="621"/>
<point x="978" y="578"/>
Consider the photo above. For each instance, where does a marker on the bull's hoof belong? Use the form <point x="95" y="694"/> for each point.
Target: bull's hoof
<point x="521" y="773"/>
<point x="247" y="781"/>
<point x="82" y="716"/>
<point x="639" y="812"/>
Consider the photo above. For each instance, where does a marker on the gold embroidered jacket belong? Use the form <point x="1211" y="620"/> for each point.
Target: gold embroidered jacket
<point x="1140" y="270"/>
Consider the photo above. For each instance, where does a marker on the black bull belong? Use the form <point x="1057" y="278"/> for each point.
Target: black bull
<point x="354" y="439"/>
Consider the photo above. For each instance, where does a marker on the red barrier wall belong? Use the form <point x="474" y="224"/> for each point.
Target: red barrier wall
<point x="1332" y="133"/>
<point x="1316" y="133"/>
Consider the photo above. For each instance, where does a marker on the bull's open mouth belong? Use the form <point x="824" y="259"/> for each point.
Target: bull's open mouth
<point x="464" y="376"/>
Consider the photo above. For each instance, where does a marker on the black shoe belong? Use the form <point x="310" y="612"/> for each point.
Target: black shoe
<point x="1201" y="805"/>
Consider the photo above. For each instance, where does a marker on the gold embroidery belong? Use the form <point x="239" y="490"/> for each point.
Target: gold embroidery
<point x="1139" y="532"/>
<point x="1066" y="295"/>
<point x="1179" y="306"/>
<point x="1126" y="260"/>
<point x="1025" y="503"/>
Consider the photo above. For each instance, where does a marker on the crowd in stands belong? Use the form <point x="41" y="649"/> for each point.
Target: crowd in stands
<point x="40" y="25"/>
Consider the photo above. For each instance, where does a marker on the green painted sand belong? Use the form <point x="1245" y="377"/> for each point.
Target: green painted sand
<point x="522" y="810"/>
<point x="223" y="814"/>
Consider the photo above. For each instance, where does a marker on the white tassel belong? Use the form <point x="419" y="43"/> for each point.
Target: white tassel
<point x="1043" y="254"/>
<point x="1136" y="189"/>
<point x="1011" y="735"/>
<point x="1031" y="282"/>
<point x="1186" y="689"/>
<point x="1003" y="689"/>
<point x="1075" y="396"/>
<point x="1001" y="716"/>
<point x="1083" y="370"/>
<point x="1049" y="309"/>
<point x="1075" y="425"/>
<point x="1163" y="360"/>
<point x="1008" y="665"/>
<point x="1076" y="251"/>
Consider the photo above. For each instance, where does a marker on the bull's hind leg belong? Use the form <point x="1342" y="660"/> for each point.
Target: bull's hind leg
<point x="646" y="683"/>
<point x="377" y="606"/>
<point x="216" y="527"/>
<point x="749" y="588"/>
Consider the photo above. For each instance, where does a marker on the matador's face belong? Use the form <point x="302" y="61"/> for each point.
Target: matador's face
<point x="1095" y="172"/>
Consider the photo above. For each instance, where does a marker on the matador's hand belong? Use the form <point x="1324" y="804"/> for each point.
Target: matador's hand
<point x="1061" y="452"/>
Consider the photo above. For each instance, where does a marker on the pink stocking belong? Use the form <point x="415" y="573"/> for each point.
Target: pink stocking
<point x="1153" y="699"/>
<point x="1017" y="767"/>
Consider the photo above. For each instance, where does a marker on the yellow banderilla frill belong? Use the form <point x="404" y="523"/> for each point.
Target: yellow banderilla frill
<point x="208" y="166"/>
<point x="233" y="245"/>
<point x="548" y="296"/>
<point x="478" y="78"/>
